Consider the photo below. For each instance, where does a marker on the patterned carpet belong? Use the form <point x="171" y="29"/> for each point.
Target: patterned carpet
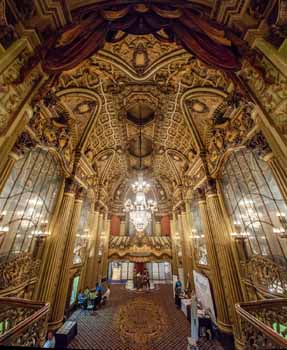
<point x="131" y="321"/>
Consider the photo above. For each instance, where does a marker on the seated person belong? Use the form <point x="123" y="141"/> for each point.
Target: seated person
<point x="81" y="299"/>
<point x="99" y="288"/>
<point x="98" y="299"/>
<point x="50" y="342"/>
<point x="93" y="295"/>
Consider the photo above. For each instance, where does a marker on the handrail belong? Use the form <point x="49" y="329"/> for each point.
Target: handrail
<point x="243" y="309"/>
<point x="41" y="309"/>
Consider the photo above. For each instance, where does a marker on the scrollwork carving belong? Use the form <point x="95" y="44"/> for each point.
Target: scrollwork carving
<point x="21" y="268"/>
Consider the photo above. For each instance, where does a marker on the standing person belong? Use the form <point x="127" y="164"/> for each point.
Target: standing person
<point x="194" y="320"/>
<point x="147" y="279"/>
<point x="50" y="342"/>
<point x="107" y="294"/>
<point x="177" y="292"/>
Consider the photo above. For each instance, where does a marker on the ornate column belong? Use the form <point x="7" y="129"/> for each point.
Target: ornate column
<point x="7" y="168"/>
<point x="174" y="262"/>
<point x="105" y="261"/>
<point x="52" y="261"/>
<point x="97" y="266"/>
<point x="123" y="226"/>
<point x="260" y="146"/>
<point x="223" y="320"/>
<point x="280" y="173"/>
<point x="187" y="233"/>
<point x="228" y="270"/>
<point x="157" y="227"/>
<point x="58" y="307"/>
<point x="186" y="253"/>
<point x="92" y="258"/>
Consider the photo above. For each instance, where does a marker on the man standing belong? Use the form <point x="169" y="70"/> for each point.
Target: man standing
<point x="177" y="292"/>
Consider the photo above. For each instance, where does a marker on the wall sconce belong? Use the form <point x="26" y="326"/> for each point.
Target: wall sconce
<point x="3" y="214"/>
<point x="4" y="229"/>
<point x="281" y="232"/>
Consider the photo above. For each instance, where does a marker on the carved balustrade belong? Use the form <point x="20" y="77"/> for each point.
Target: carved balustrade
<point x="264" y="324"/>
<point x="267" y="277"/>
<point x="23" y="322"/>
<point x="17" y="272"/>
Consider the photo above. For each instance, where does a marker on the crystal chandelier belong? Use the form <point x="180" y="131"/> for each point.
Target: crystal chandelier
<point x="141" y="209"/>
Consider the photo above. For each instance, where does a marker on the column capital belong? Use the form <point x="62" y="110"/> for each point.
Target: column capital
<point x="211" y="188"/>
<point x="259" y="145"/>
<point x="80" y="193"/>
<point x="70" y="185"/>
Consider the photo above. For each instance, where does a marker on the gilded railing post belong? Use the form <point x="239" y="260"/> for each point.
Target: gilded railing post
<point x="58" y="307"/>
<point x="53" y="258"/>
<point x="223" y="319"/>
<point x="229" y="273"/>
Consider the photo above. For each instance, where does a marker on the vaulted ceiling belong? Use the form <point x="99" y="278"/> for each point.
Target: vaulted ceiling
<point x="180" y="103"/>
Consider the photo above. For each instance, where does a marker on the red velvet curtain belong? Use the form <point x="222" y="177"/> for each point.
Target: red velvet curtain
<point x="94" y="26"/>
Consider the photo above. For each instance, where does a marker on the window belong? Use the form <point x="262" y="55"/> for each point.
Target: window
<point x="27" y="200"/>
<point x="255" y="204"/>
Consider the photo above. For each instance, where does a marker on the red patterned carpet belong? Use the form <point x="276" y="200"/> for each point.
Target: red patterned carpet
<point x="135" y="321"/>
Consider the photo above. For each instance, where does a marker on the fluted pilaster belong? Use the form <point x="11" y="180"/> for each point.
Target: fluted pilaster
<point x="229" y="274"/>
<point x="280" y="174"/>
<point x="189" y="244"/>
<point x="123" y="227"/>
<point x="186" y="253"/>
<point x="223" y="320"/>
<point x="173" y="248"/>
<point x="7" y="168"/>
<point x="157" y="228"/>
<point x="104" y="270"/>
<point x="96" y="265"/>
<point x="92" y="258"/>
<point x="55" y="250"/>
<point x="58" y="308"/>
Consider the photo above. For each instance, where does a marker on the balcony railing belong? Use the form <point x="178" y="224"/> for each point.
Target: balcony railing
<point x="264" y="323"/>
<point x="23" y="322"/>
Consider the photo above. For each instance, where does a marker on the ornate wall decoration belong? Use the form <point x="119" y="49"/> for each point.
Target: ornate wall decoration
<point x="228" y="132"/>
<point x="55" y="131"/>
<point x="270" y="87"/>
<point x="11" y="95"/>
<point x="140" y="245"/>
<point x="18" y="270"/>
<point x="140" y="52"/>
<point x="265" y="275"/>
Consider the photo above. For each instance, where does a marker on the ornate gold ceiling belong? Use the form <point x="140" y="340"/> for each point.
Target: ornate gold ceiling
<point x="182" y="103"/>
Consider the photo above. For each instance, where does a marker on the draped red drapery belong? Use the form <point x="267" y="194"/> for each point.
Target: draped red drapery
<point x="94" y="26"/>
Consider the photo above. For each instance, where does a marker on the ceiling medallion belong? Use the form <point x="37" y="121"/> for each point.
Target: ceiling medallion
<point x="198" y="106"/>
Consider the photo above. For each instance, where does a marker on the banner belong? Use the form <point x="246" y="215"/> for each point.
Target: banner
<point x="203" y="292"/>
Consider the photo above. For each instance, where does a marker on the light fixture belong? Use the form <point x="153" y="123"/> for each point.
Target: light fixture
<point x="140" y="211"/>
